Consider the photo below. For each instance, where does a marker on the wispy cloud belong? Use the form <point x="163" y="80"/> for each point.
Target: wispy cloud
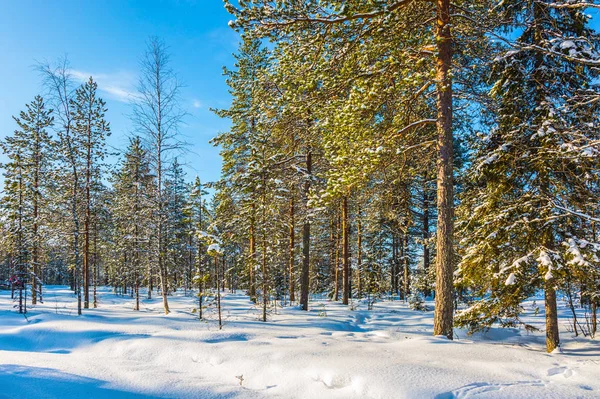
<point x="119" y="86"/>
<point x="196" y="103"/>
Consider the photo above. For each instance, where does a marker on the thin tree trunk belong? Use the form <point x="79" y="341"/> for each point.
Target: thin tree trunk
<point x="264" y="246"/>
<point x="76" y="246"/>
<point x="150" y="286"/>
<point x="345" y="252"/>
<point x="96" y="268"/>
<point x="200" y="279"/>
<point x="336" y="271"/>
<point x="552" y="336"/>
<point x="444" y="301"/>
<point x="359" y="255"/>
<point x="252" y="256"/>
<point x="218" y="293"/>
<point x="406" y="267"/>
<point x="426" y="255"/>
<point x="394" y="266"/>
<point x="572" y="305"/>
<point x="199" y="269"/>
<point x="304" y="279"/>
<point x="594" y="318"/>
<point x="291" y="251"/>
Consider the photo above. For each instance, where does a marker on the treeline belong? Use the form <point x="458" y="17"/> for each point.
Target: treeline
<point x="372" y="140"/>
<point x="69" y="217"/>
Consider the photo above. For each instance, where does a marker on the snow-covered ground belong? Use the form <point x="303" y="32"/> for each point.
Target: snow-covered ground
<point x="330" y="352"/>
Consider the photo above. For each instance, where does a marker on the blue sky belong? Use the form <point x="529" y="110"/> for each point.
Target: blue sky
<point x="106" y="39"/>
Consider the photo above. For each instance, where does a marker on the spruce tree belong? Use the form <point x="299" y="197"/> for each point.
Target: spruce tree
<point x="538" y="157"/>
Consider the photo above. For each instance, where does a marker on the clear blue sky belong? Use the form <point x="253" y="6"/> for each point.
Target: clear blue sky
<point x="105" y="39"/>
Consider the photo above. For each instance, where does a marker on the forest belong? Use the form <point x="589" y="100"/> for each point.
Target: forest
<point x="441" y="154"/>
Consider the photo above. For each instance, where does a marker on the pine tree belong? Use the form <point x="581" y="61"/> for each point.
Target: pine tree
<point x="30" y="151"/>
<point x="59" y="84"/>
<point x="90" y="130"/>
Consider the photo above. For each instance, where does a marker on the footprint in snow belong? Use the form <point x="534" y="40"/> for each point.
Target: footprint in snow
<point x="332" y="381"/>
<point x="565" y="371"/>
<point x="480" y="388"/>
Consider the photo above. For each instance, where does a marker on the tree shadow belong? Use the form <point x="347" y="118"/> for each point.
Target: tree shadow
<point x="63" y="342"/>
<point x="45" y="383"/>
<point x="18" y="381"/>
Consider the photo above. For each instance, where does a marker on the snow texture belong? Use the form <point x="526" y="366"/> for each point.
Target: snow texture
<point x="330" y="351"/>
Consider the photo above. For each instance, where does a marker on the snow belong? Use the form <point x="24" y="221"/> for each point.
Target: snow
<point x="331" y="351"/>
<point x="511" y="279"/>
<point x="573" y="250"/>
<point x="545" y="259"/>
<point x="214" y="248"/>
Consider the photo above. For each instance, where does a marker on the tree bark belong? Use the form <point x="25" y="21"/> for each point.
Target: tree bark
<point x="425" y="232"/>
<point x="291" y="253"/>
<point x="252" y="256"/>
<point x="304" y="279"/>
<point x="594" y="318"/>
<point x="406" y="267"/>
<point x="218" y="292"/>
<point x="336" y="271"/>
<point x="359" y="255"/>
<point x="444" y="301"/>
<point x="345" y="253"/>
<point x="552" y="335"/>
<point x="95" y="266"/>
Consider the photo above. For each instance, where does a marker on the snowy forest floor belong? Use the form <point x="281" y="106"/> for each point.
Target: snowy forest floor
<point x="332" y="351"/>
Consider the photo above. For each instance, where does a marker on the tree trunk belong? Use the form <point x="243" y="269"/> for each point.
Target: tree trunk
<point x="95" y="265"/>
<point x="150" y="286"/>
<point x="552" y="337"/>
<point x="359" y="255"/>
<point x="336" y="271"/>
<point x="304" y="279"/>
<point x="218" y="292"/>
<point x="406" y="267"/>
<point x="265" y="286"/>
<point x="426" y="255"/>
<point x="594" y="318"/>
<point x="200" y="277"/>
<point x="444" y="301"/>
<point x="345" y="252"/>
<point x="395" y="266"/>
<point x="292" y="237"/>
<point x="252" y="290"/>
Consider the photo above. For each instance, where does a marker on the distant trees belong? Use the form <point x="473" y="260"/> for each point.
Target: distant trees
<point x="131" y="216"/>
